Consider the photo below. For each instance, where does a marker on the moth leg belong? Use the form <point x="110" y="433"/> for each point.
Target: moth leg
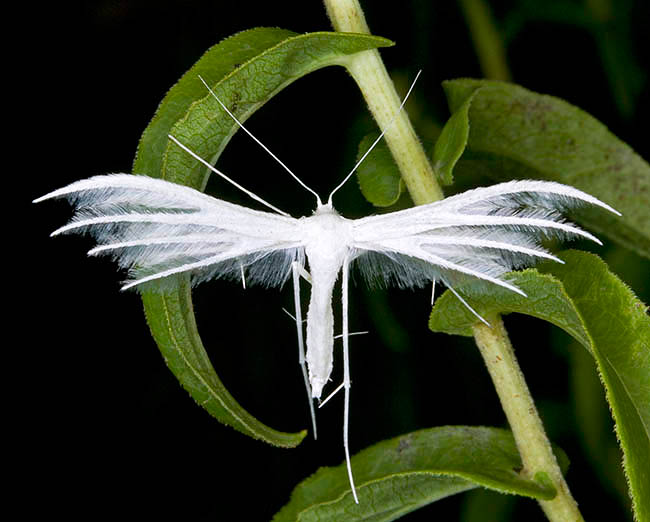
<point x="293" y="317"/>
<point x="295" y="268"/>
<point x="338" y="388"/>
<point x="346" y="374"/>
<point x="303" y="273"/>
<point x="350" y="334"/>
<point x="468" y="306"/>
<point x="433" y="291"/>
<point x="243" y="276"/>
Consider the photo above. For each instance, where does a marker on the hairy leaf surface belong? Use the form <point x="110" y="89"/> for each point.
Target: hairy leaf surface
<point x="596" y="308"/>
<point x="400" y="475"/>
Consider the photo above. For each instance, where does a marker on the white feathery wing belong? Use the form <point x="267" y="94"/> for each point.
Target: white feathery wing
<point x="156" y="230"/>
<point x="474" y="236"/>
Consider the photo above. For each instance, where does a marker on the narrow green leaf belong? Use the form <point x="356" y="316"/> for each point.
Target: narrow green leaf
<point x="519" y="134"/>
<point x="171" y="319"/>
<point x="245" y="71"/>
<point x="400" y="475"/>
<point x="452" y="141"/>
<point x="378" y="176"/>
<point x="218" y="62"/>
<point x="595" y="307"/>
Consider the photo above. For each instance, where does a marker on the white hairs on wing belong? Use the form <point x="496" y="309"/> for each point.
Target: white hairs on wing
<point x="156" y="229"/>
<point x="478" y="235"/>
<point x="520" y="194"/>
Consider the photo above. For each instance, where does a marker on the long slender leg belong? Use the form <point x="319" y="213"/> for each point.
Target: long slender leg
<point x="326" y="400"/>
<point x="467" y="305"/>
<point x="433" y="291"/>
<point x="350" y="334"/>
<point x="295" y="267"/>
<point x="340" y="386"/>
<point x="301" y="270"/>
<point x="346" y="375"/>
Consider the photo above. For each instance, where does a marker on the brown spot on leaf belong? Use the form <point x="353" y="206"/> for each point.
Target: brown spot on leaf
<point x="404" y="444"/>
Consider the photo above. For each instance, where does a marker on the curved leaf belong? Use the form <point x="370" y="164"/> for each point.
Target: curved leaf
<point x="518" y="134"/>
<point x="400" y="475"/>
<point x="596" y="308"/>
<point x="245" y="71"/>
<point x="452" y="140"/>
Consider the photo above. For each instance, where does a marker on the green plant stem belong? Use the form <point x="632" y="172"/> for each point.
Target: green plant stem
<point x="533" y="444"/>
<point x="371" y="76"/>
<point x="369" y="72"/>
<point x="486" y="38"/>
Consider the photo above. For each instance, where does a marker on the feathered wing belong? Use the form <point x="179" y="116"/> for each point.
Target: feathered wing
<point x="156" y="229"/>
<point x="475" y="236"/>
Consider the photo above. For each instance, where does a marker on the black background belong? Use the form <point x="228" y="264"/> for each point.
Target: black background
<point x="102" y="427"/>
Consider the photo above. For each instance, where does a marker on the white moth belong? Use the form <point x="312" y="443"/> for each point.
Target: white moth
<point x="157" y="230"/>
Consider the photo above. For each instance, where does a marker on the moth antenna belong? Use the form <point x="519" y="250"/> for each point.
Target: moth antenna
<point x="241" y="126"/>
<point x="216" y="171"/>
<point x="390" y="124"/>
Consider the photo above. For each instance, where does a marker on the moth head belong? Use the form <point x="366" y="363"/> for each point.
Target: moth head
<point x="324" y="209"/>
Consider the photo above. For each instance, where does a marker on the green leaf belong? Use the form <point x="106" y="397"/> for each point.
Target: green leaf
<point x="519" y="134"/>
<point x="400" y="475"/>
<point x="596" y="308"/>
<point x="245" y="71"/>
<point x="378" y="175"/>
<point x="452" y="141"/>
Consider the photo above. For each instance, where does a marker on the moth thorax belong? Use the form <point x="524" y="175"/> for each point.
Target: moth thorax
<point x="328" y="237"/>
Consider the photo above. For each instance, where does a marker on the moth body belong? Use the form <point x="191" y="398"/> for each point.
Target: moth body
<point x="327" y="237"/>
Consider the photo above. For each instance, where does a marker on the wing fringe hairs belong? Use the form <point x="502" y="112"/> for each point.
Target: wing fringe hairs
<point x="473" y="237"/>
<point x="156" y="229"/>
